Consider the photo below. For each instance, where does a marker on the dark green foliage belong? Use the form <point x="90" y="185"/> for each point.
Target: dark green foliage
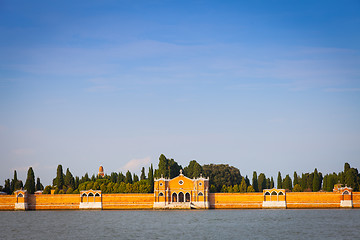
<point x="121" y="178"/>
<point x="296" y="179"/>
<point x="142" y="176"/>
<point x="287" y="183"/>
<point x="255" y="182"/>
<point x="268" y="183"/>
<point x="38" y="186"/>
<point x="222" y="174"/>
<point x="128" y="178"/>
<point x="30" y="181"/>
<point x="193" y="170"/>
<point x="113" y="177"/>
<point x="15" y="183"/>
<point x="167" y="168"/>
<point x="135" y="178"/>
<point x="247" y="181"/>
<point x="59" y="180"/>
<point x="47" y="190"/>
<point x="7" y="186"/>
<point x="316" y="181"/>
<point x="261" y="182"/>
<point x="77" y="182"/>
<point x="151" y="178"/>
<point x="243" y="186"/>
<point x="69" y="180"/>
<point x="272" y="182"/>
<point x="279" y="181"/>
<point x="351" y="178"/>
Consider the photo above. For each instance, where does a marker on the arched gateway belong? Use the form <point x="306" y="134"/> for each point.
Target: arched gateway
<point x="181" y="192"/>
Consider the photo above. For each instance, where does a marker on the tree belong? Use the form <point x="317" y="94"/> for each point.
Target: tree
<point x="151" y="178"/>
<point x="222" y="174"/>
<point x="316" y="181"/>
<point x="128" y="178"/>
<point x="135" y="178"/>
<point x="261" y="182"/>
<point x="243" y="186"/>
<point x="167" y="168"/>
<point x="287" y="184"/>
<point x="297" y="188"/>
<point x="38" y="186"/>
<point x="30" y="181"/>
<point x="69" y="180"/>
<point x="47" y="190"/>
<point x="59" y="180"/>
<point x="296" y="179"/>
<point x="279" y="181"/>
<point x="193" y="170"/>
<point x="250" y="189"/>
<point x="351" y="178"/>
<point x="255" y="182"/>
<point x="272" y="183"/>
<point x="15" y="183"/>
<point x="142" y="176"/>
<point x="7" y="186"/>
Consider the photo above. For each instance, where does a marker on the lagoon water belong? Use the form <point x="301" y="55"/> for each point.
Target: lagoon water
<point x="206" y="224"/>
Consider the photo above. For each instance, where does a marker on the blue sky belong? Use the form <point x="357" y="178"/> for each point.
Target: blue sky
<point x="263" y="85"/>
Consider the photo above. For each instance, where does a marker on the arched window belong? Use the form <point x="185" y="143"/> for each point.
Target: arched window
<point x="346" y="192"/>
<point x="281" y="193"/>
<point x="20" y="195"/>
<point x="83" y="195"/>
<point x="200" y="194"/>
<point x="161" y="194"/>
<point x="267" y="193"/>
<point x="97" y="194"/>
<point x="273" y="193"/>
<point x="91" y="194"/>
<point x="174" y="197"/>
<point x="181" y="197"/>
<point x="187" y="197"/>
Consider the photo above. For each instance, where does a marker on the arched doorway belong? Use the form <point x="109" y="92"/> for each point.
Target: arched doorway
<point x="181" y="197"/>
<point x="174" y="197"/>
<point x="187" y="197"/>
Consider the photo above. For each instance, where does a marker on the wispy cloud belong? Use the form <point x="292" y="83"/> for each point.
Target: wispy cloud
<point x="135" y="164"/>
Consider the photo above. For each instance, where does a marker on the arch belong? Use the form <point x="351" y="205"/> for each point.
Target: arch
<point x="281" y="193"/>
<point x="20" y="195"/>
<point x="273" y="193"/>
<point x="174" y="197"/>
<point x="84" y="195"/>
<point x="161" y="194"/>
<point x="267" y="193"/>
<point x="181" y="197"/>
<point x="91" y="194"/>
<point x="200" y="194"/>
<point x="346" y="192"/>
<point x="187" y="197"/>
<point x="97" y="194"/>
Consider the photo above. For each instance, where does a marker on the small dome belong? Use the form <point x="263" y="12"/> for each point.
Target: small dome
<point x="101" y="169"/>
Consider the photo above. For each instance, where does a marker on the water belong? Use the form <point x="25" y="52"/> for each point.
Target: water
<point x="207" y="224"/>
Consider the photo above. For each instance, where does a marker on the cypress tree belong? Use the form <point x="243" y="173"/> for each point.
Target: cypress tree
<point x="316" y="181"/>
<point x="7" y="186"/>
<point x="59" y="181"/>
<point x="287" y="183"/>
<point x="128" y="178"/>
<point x="151" y="178"/>
<point x="135" y="178"/>
<point x="69" y="180"/>
<point x="279" y="181"/>
<point x="272" y="183"/>
<point x="142" y="176"/>
<point x="15" y="183"/>
<point x="261" y="182"/>
<point x="243" y="186"/>
<point x="255" y="182"/>
<point x="296" y="179"/>
<point x="38" y="186"/>
<point x="30" y="181"/>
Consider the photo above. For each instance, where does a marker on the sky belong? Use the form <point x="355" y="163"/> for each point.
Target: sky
<point x="260" y="85"/>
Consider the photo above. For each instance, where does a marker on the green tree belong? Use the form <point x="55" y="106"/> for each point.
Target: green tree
<point x="193" y="170"/>
<point x="255" y="182"/>
<point x="69" y="180"/>
<point x="151" y="178"/>
<point x="279" y="181"/>
<point x="15" y="183"/>
<point x="47" y="190"/>
<point x="250" y="189"/>
<point x="135" y="178"/>
<point x="236" y="188"/>
<point x="222" y="174"/>
<point x="59" y="180"/>
<point x="272" y="183"/>
<point x="351" y="178"/>
<point x="7" y="186"/>
<point x="287" y="184"/>
<point x="261" y="182"/>
<point x="243" y="186"/>
<point x="297" y="188"/>
<point x="296" y="179"/>
<point x="38" y="186"/>
<point x="128" y="178"/>
<point x="142" y="176"/>
<point x="30" y="181"/>
<point x="316" y="181"/>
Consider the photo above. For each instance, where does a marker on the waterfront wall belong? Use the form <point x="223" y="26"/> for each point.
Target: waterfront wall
<point x="293" y="200"/>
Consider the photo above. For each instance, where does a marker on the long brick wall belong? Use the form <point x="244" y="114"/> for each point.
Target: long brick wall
<point x="145" y="201"/>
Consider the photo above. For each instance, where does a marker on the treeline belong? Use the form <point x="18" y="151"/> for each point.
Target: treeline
<point x="222" y="178"/>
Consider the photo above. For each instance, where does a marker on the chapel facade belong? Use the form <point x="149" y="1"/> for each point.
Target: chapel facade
<point x="181" y="192"/>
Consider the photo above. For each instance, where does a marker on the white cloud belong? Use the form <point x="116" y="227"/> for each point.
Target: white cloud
<point x="136" y="164"/>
